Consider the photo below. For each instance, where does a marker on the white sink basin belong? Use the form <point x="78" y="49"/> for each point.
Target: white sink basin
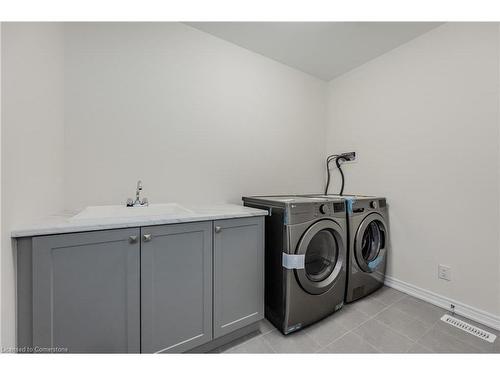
<point x="123" y="212"/>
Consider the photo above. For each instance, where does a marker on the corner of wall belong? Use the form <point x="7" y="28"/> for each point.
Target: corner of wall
<point x="328" y="122"/>
<point x="32" y="177"/>
<point x="1" y="182"/>
<point x="498" y="171"/>
<point x="402" y="87"/>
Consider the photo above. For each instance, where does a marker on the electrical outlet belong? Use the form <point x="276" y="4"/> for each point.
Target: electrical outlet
<point x="444" y="272"/>
<point x="348" y="157"/>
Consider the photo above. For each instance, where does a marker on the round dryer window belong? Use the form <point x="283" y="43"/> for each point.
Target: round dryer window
<point x="323" y="248"/>
<point x="370" y="242"/>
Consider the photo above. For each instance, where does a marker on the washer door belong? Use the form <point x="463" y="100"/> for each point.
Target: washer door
<point x="323" y="248"/>
<point x="370" y="242"/>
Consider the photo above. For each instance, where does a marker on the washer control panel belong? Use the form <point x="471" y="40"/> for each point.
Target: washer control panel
<point x="302" y="212"/>
<point x="331" y="208"/>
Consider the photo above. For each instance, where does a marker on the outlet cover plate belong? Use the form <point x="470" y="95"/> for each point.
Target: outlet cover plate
<point x="444" y="272"/>
<point x="351" y="161"/>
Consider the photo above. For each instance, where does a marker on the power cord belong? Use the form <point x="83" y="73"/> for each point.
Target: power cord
<point x="337" y="162"/>
<point x="337" y="159"/>
<point x="328" y="160"/>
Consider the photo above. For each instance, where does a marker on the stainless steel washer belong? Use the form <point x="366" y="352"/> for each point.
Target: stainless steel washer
<point x="306" y="256"/>
<point x="367" y="222"/>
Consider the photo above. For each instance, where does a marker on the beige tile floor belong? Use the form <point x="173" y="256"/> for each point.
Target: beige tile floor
<point x="388" y="321"/>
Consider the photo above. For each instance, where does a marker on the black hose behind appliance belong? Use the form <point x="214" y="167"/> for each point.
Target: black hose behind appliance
<point x="337" y="162"/>
<point x="348" y="156"/>
<point x="328" y="160"/>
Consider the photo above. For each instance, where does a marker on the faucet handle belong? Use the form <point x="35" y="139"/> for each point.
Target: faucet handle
<point x="145" y="202"/>
<point x="130" y="202"/>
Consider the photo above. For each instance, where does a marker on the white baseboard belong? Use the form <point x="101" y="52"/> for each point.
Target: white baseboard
<point x="467" y="311"/>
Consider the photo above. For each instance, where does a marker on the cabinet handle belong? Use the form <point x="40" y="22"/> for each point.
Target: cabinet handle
<point x="148" y="237"/>
<point x="218" y="229"/>
<point x="132" y="239"/>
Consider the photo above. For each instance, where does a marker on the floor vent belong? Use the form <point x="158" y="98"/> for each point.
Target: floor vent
<point x="469" y="328"/>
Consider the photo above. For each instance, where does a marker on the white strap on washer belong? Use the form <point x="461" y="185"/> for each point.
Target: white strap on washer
<point x="292" y="261"/>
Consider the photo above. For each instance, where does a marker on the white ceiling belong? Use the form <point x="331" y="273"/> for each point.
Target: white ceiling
<point x="322" y="49"/>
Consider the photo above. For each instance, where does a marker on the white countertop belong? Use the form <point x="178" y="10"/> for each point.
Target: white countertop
<point x="65" y="222"/>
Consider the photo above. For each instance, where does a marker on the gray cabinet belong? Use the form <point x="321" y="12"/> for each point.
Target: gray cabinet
<point x="86" y="292"/>
<point x="238" y="273"/>
<point x="176" y="286"/>
<point x="166" y="288"/>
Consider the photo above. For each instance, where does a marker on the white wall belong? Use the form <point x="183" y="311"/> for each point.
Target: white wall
<point x="424" y="120"/>
<point x="196" y="118"/>
<point x="89" y="109"/>
<point x="1" y="234"/>
<point x="201" y="120"/>
<point x="498" y="228"/>
<point x="32" y="140"/>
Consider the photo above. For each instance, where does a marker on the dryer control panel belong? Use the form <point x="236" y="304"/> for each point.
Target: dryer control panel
<point x="366" y="204"/>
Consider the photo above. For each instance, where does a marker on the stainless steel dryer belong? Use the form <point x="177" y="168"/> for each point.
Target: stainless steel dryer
<point x="367" y="221"/>
<point x="305" y="262"/>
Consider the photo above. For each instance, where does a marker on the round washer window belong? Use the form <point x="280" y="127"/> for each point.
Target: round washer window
<point x="371" y="242"/>
<point x="321" y="256"/>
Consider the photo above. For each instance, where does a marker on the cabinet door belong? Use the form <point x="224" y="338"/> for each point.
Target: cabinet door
<point x="86" y="291"/>
<point x="238" y="273"/>
<point x="176" y="286"/>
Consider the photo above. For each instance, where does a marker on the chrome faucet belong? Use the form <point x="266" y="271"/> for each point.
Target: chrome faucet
<point x="138" y="202"/>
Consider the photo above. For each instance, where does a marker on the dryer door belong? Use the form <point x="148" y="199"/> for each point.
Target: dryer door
<point x="370" y="242"/>
<point x="323" y="248"/>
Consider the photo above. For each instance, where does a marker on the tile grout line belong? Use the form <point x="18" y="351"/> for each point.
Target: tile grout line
<point x="314" y="340"/>
<point x="338" y="338"/>
<point x="399" y="333"/>
<point x="414" y="318"/>
<point x="456" y="337"/>
<point x="267" y="342"/>
<point x="262" y="334"/>
<point x="369" y="318"/>
<point x="373" y="317"/>
<point x="349" y="330"/>
<point x="427" y="330"/>
<point x="403" y="312"/>
<point x="362" y="338"/>
<point x="425" y="333"/>
<point x="432" y="326"/>
<point x="435" y="325"/>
